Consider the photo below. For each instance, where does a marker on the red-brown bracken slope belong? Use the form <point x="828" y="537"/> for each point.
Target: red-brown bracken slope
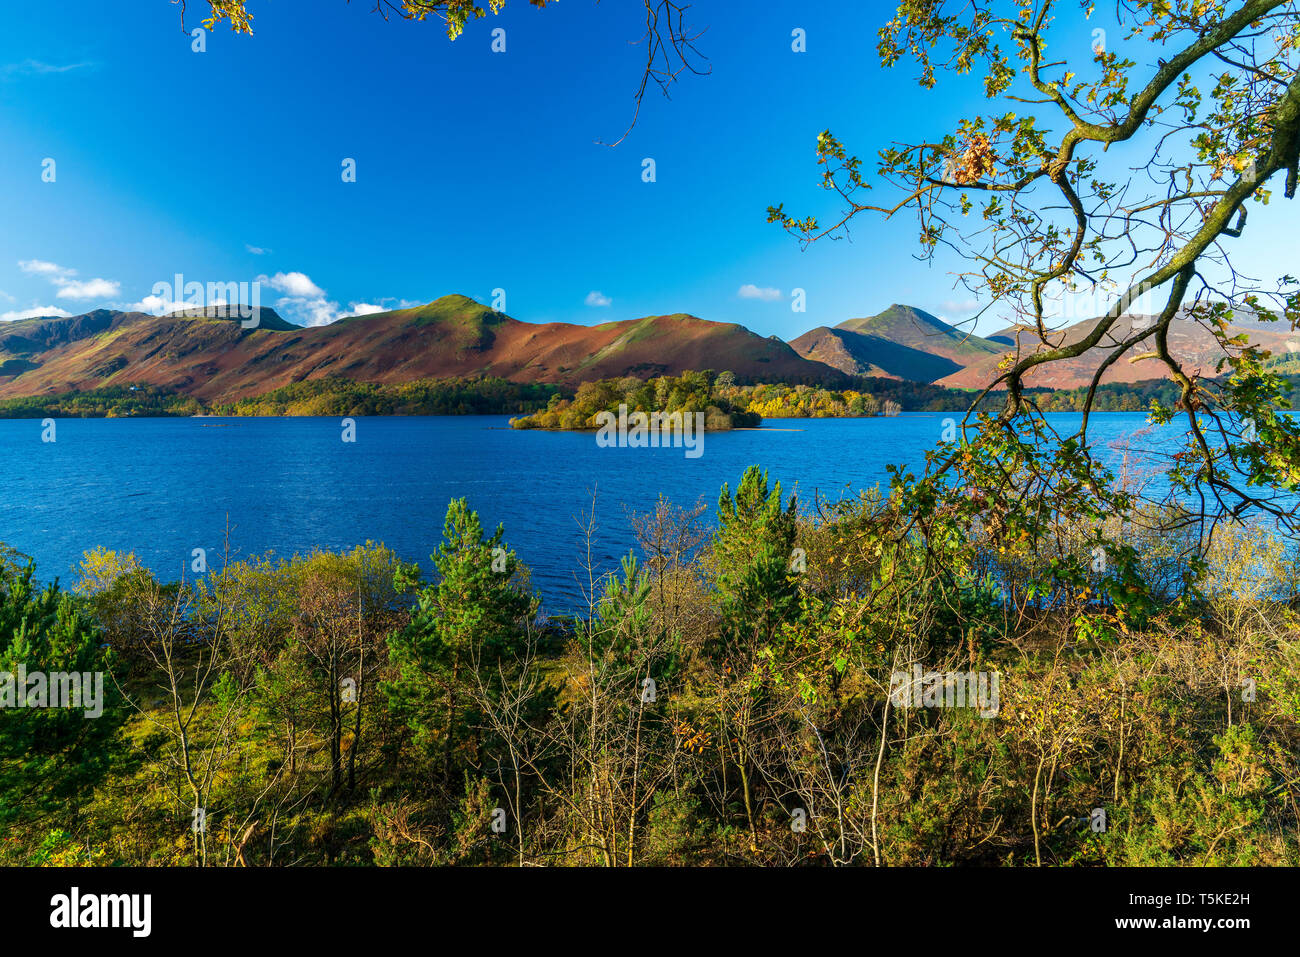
<point x="1189" y="342"/>
<point x="216" y="360"/>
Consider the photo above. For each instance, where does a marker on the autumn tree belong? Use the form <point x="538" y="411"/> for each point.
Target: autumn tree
<point x="1092" y="172"/>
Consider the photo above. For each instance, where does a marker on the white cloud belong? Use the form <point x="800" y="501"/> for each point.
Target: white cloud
<point x="296" y="284"/>
<point x="155" y="305"/>
<point x="305" y="303"/>
<point x="165" y="306"/>
<point x="765" y="293"/>
<point x="257" y="250"/>
<point x="306" y="311"/>
<point x="65" y="285"/>
<point x="386" y="304"/>
<point x="87" y="289"/>
<point x="598" y="298"/>
<point x="36" y="312"/>
<point x="964" y="305"/>
<point x="39" y="267"/>
<point x="29" y="67"/>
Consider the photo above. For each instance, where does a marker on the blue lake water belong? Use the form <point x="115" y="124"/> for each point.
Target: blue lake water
<point x="162" y="487"/>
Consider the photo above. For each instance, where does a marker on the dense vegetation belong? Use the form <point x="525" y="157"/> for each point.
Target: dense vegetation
<point x="802" y="401"/>
<point x="724" y="699"/>
<point x="690" y="393"/>
<point x="332" y="395"/>
<point x="729" y="405"/>
<point x="338" y="396"/>
<point x="547" y="406"/>
<point x="109" y="402"/>
<point x="1134" y="397"/>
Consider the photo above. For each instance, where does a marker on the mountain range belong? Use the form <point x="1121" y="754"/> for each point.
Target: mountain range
<point x="209" y="355"/>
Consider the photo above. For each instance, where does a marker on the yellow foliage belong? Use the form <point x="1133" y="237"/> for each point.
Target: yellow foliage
<point x="100" y="567"/>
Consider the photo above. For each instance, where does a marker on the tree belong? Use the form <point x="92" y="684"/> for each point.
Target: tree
<point x="343" y="607"/>
<point x="1057" y="209"/>
<point x="50" y="756"/>
<point x="757" y="592"/>
<point x="185" y="655"/>
<point x="472" y="620"/>
<point x="754" y="547"/>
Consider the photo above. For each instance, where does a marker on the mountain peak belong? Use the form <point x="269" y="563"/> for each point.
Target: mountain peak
<point x="267" y="318"/>
<point x="918" y="329"/>
<point x="896" y="316"/>
<point x="453" y="308"/>
<point x="900" y="342"/>
<point x="454" y="300"/>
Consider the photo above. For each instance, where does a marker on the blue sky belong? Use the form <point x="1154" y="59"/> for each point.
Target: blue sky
<point x="475" y="170"/>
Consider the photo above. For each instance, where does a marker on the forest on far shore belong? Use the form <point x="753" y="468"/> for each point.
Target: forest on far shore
<point x="533" y="402"/>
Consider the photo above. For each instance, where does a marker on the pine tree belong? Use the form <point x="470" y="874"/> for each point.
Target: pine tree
<point x="754" y="548"/>
<point x="474" y="618"/>
<point x="50" y="757"/>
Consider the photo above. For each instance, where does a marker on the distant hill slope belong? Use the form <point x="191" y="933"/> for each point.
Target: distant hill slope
<point x="1194" y="345"/>
<point x="902" y="342"/>
<point x="856" y="354"/>
<point x="212" y="357"/>
<point x="215" y="359"/>
<point x="917" y="329"/>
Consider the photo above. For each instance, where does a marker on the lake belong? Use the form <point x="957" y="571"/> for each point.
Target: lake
<point x="163" y="487"/>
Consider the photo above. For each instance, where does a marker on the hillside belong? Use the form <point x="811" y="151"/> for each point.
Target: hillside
<point x="902" y="342"/>
<point x="216" y="360"/>
<point x="208" y="356"/>
<point x="1189" y="341"/>
<point x="866" y="355"/>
